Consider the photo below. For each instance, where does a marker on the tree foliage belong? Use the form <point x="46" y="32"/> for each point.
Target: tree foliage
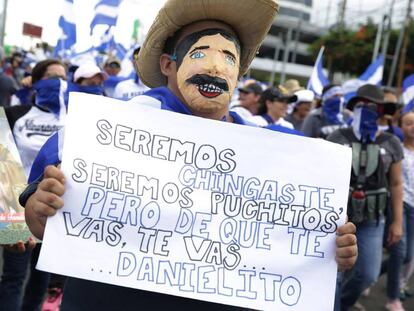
<point x="350" y="51"/>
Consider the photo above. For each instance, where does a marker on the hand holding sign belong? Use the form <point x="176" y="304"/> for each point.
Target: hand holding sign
<point x="186" y="213"/>
<point x="46" y="200"/>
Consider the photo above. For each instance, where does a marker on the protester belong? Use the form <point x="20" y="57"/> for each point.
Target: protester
<point x="87" y="78"/>
<point x="249" y="97"/>
<point x="376" y="171"/>
<point x="394" y="263"/>
<point x="273" y="106"/>
<point x="391" y="107"/>
<point x="407" y="125"/>
<point x="31" y="127"/>
<point x="7" y="87"/>
<point x="326" y="119"/>
<point x="112" y="67"/>
<point x="301" y="108"/>
<point x="130" y="88"/>
<point x="14" y="68"/>
<point x="193" y="59"/>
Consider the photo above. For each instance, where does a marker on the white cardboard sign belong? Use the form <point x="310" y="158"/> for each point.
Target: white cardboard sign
<point x="203" y="209"/>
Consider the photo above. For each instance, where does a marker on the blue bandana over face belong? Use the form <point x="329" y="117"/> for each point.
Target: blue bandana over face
<point x="49" y="95"/>
<point x="364" y="124"/>
<point x="332" y="109"/>
<point x="92" y="89"/>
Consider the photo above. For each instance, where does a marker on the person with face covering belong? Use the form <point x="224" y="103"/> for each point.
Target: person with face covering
<point x="326" y="119"/>
<point x="301" y="108"/>
<point x="273" y="106"/>
<point x="130" y="88"/>
<point x="391" y="108"/>
<point x="376" y="173"/>
<point x="31" y="126"/>
<point x="192" y="58"/>
<point x="88" y="78"/>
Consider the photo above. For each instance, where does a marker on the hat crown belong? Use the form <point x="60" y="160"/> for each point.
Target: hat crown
<point x="251" y="20"/>
<point x="371" y="92"/>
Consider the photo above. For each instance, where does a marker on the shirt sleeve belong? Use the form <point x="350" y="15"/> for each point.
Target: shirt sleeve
<point x="309" y="126"/>
<point x="396" y="149"/>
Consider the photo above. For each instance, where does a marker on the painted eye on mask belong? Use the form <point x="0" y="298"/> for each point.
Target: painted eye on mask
<point x="197" y="55"/>
<point x="230" y="60"/>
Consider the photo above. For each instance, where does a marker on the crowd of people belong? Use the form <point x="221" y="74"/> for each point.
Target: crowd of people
<point x="381" y="195"/>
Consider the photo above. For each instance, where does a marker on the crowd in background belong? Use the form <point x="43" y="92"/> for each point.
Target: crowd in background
<point x="36" y="94"/>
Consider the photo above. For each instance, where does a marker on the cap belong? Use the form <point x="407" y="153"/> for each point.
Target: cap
<point x="274" y="94"/>
<point x="112" y="61"/>
<point x="304" y="96"/>
<point x="88" y="71"/>
<point x="252" y="88"/>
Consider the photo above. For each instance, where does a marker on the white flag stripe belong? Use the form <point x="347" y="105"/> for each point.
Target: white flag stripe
<point x="316" y="83"/>
<point x="377" y="76"/>
<point x="408" y="94"/>
<point x="68" y="14"/>
<point x="107" y="10"/>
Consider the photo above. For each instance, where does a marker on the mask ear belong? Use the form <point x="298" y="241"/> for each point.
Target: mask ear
<point x="167" y="65"/>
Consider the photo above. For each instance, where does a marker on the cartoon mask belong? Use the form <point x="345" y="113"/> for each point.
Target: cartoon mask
<point x="208" y="71"/>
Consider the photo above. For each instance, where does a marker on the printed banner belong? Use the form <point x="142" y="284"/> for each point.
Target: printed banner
<point x="203" y="209"/>
<point x="12" y="182"/>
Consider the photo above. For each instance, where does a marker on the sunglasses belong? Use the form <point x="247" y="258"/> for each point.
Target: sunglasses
<point x="370" y="105"/>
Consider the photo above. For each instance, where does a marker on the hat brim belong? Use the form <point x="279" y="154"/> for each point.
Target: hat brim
<point x="290" y="99"/>
<point x="354" y="100"/>
<point x="103" y="74"/>
<point x="251" y="20"/>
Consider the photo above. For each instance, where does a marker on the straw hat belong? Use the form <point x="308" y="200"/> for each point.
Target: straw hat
<point x="250" y="19"/>
<point x="291" y="86"/>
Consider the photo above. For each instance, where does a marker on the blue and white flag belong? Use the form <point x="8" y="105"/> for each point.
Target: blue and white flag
<point x="318" y="80"/>
<point x="107" y="42"/>
<point x="106" y="13"/>
<point x="408" y="93"/>
<point x="67" y="23"/>
<point x="373" y="74"/>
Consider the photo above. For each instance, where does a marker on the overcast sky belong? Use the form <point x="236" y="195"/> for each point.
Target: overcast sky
<point x="46" y="13"/>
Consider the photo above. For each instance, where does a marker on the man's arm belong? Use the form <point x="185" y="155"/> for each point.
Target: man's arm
<point x="396" y="189"/>
<point x="45" y="201"/>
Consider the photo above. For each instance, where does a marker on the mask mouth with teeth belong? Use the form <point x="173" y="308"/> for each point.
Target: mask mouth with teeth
<point x="209" y="86"/>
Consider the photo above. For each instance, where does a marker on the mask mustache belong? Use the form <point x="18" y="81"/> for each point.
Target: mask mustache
<point x="200" y="79"/>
